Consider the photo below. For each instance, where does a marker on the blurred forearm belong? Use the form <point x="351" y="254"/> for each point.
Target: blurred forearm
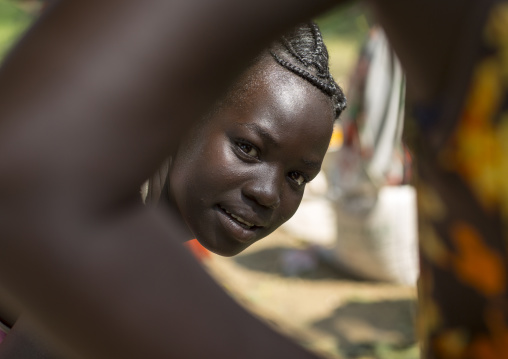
<point x="91" y="101"/>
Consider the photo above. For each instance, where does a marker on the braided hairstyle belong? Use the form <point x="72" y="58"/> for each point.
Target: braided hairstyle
<point x="300" y="51"/>
<point x="303" y="52"/>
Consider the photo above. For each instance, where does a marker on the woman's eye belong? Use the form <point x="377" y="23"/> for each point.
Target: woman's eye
<point x="298" y="178"/>
<point x="248" y="149"/>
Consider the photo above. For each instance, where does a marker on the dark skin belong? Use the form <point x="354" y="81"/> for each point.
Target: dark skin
<point x="240" y="174"/>
<point x="64" y="201"/>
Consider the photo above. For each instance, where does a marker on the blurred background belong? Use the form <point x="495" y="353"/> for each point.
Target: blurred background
<point x="340" y="276"/>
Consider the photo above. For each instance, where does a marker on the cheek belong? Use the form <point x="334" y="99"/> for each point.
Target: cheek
<point x="289" y="205"/>
<point x="220" y="167"/>
<point x="206" y="171"/>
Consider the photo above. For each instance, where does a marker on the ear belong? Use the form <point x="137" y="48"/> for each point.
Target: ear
<point x="157" y="182"/>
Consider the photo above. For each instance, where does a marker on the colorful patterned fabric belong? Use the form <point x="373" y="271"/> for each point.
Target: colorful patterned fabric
<point x="463" y="209"/>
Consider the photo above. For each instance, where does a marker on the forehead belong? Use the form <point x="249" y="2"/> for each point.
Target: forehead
<point x="281" y="102"/>
<point x="267" y="82"/>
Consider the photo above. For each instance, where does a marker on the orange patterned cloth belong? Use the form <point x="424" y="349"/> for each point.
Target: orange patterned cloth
<point x="463" y="209"/>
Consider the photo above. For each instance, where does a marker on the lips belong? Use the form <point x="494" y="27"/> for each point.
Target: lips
<point x="240" y="220"/>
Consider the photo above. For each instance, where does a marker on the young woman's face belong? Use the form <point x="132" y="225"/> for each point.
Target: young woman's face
<point x="241" y="174"/>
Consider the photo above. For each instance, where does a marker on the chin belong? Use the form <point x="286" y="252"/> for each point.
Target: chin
<point x="222" y="248"/>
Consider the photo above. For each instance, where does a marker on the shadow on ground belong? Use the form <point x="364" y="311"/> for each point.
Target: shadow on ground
<point x="276" y="261"/>
<point x="383" y="329"/>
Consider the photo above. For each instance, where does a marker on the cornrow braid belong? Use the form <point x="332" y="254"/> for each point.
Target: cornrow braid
<point x="293" y="52"/>
<point x="320" y="53"/>
<point x="305" y="45"/>
<point x="329" y="89"/>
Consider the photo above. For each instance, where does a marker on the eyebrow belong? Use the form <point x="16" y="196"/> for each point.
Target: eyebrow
<point x="262" y="132"/>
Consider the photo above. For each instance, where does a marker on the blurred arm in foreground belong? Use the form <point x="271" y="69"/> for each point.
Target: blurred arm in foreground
<point x="107" y="100"/>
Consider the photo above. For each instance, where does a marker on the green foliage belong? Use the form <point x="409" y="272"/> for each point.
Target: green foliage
<point x="13" y="21"/>
<point x="344" y="29"/>
<point x="348" y="22"/>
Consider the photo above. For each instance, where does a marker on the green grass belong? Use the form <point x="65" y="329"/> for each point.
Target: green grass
<point x="387" y="352"/>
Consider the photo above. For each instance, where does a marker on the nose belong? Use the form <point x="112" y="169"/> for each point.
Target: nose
<point x="265" y="189"/>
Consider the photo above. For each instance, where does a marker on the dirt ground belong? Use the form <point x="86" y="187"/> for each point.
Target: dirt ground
<point x="324" y="308"/>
